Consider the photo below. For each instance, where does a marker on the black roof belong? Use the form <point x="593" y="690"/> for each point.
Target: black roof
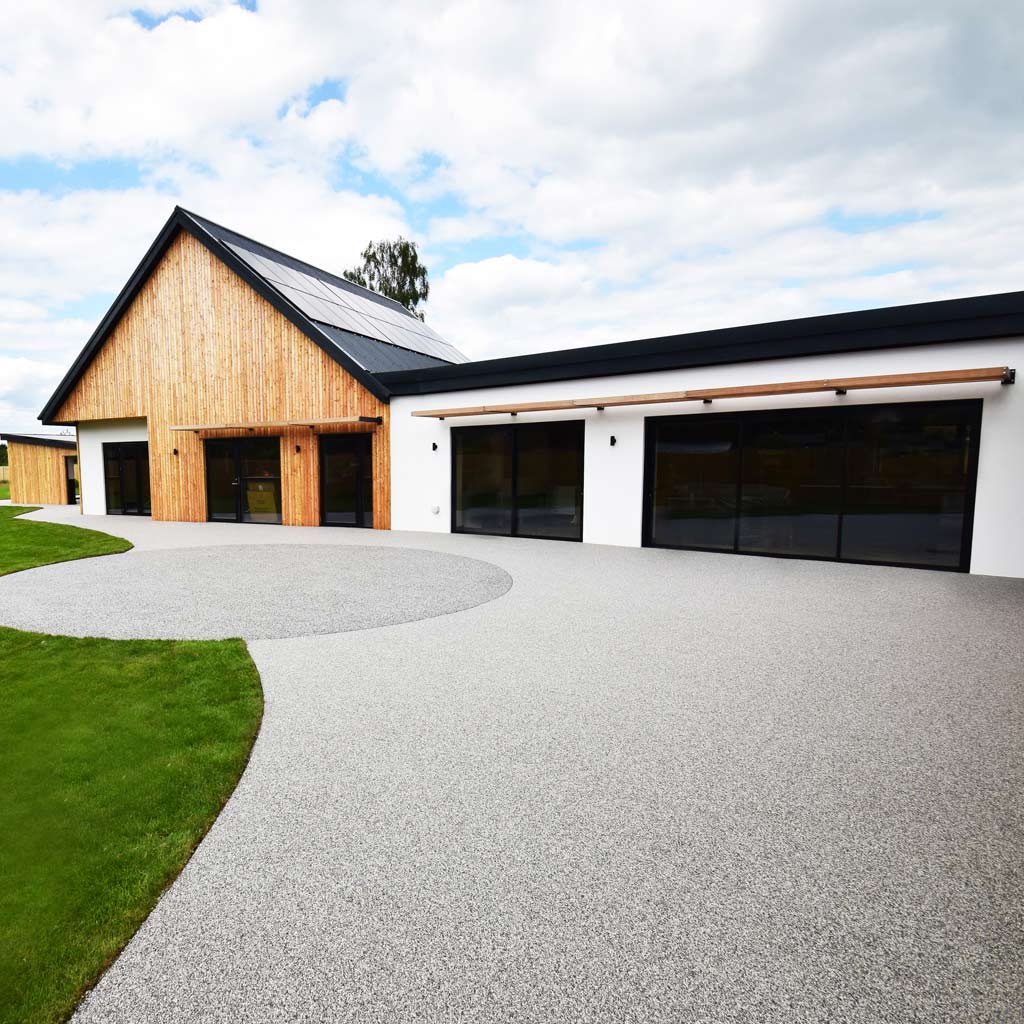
<point x="346" y="315"/>
<point x="42" y="441"/>
<point x="924" y="323"/>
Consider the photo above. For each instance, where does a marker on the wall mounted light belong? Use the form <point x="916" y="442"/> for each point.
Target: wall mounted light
<point x="707" y="401"/>
<point x="175" y="451"/>
<point x="433" y="446"/>
<point x="611" y="440"/>
<point x="297" y="449"/>
<point x="840" y="391"/>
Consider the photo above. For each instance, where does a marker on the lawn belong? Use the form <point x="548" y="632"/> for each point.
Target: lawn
<point x="24" y="544"/>
<point x="116" y="757"/>
<point x="5" y="490"/>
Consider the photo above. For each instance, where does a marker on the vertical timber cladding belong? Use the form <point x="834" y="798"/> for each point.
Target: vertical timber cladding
<point x="37" y="474"/>
<point x="198" y="345"/>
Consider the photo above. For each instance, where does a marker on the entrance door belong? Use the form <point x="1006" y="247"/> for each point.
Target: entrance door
<point x="346" y="480"/>
<point x="126" y="478"/>
<point x="243" y="479"/>
<point x="70" y="477"/>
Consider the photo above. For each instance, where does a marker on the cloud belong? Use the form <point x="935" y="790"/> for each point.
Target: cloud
<point x="661" y="167"/>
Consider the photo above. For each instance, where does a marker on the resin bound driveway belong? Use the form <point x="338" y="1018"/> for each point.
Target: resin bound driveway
<point x="512" y="780"/>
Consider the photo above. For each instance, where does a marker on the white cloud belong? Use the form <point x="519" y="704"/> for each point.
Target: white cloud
<point x="694" y="150"/>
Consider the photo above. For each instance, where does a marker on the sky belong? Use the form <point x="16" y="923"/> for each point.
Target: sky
<point x="573" y="172"/>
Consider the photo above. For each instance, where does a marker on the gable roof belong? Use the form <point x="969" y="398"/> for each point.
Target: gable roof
<point x="48" y="441"/>
<point x="923" y="323"/>
<point x="359" y="329"/>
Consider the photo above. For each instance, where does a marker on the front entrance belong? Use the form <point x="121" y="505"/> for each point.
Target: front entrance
<point x="126" y="478"/>
<point x="71" y="478"/>
<point x="346" y="480"/>
<point x="243" y="479"/>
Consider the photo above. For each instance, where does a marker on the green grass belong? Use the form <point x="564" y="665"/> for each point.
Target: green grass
<point x="5" y="490"/>
<point x="26" y="544"/>
<point x="115" y="756"/>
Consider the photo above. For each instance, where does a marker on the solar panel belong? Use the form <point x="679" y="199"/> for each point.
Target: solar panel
<point x="352" y="310"/>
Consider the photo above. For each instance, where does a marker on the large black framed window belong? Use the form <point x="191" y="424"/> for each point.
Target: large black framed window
<point x="126" y="478"/>
<point x="885" y="484"/>
<point x="243" y="479"/>
<point x="522" y="480"/>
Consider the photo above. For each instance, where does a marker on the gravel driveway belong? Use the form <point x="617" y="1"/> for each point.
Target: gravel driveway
<point x="637" y="786"/>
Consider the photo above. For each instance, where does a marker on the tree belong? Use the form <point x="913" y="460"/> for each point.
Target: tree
<point x="394" y="270"/>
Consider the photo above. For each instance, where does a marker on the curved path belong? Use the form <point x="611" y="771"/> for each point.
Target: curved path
<point x="636" y="786"/>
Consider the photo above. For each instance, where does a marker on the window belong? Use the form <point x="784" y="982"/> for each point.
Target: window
<point x="523" y="481"/>
<point x="875" y="483"/>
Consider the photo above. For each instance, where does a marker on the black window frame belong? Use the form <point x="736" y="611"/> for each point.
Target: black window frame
<point x="120" y="445"/>
<point x="364" y="482"/>
<point x="514" y="429"/>
<point x="238" y="443"/>
<point x="973" y="408"/>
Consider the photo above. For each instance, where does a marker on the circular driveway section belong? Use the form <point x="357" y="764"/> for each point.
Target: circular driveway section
<point x="253" y="591"/>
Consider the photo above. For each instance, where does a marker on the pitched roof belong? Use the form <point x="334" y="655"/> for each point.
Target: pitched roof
<point x="359" y="329"/>
<point x="42" y="441"/>
<point x="923" y="323"/>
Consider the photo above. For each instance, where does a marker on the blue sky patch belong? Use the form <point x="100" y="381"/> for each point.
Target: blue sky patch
<point x="150" y="21"/>
<point x="34" y="173"/>
<point x="860" y="223"/>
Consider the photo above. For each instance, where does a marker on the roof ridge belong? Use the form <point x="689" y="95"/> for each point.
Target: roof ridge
<point x="203" y="221"/>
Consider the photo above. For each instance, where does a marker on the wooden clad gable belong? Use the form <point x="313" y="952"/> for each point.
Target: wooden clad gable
<point x="199" y="345"/>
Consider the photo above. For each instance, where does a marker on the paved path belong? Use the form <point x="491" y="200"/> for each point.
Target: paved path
<point x="637" y="786"/>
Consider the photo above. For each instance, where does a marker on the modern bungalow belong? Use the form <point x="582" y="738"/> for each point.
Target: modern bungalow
<point x="231" y="382"/>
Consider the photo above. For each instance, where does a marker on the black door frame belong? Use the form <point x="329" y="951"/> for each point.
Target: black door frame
<point x="237" y="444"/>
<point x="139" y="489"/>
<point x="973" y="406"/>
<point x="364" y="479"/>
<point x="70" y="479"/>
<point x="515" y="428"/>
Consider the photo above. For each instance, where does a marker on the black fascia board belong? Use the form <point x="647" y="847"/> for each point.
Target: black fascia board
<point x="947" y="320"/>
<point x="180" y="220"/>
<point x="42" y="442"/>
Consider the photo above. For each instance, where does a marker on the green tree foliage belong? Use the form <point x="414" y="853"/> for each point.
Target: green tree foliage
<point x="393" y="268"/>
<point x="3" y="455"/>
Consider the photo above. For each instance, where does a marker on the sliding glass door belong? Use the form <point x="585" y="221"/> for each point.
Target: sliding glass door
<point x="891" y="484"/>
<point x="522" y="481"/>
<point x="126" y="478"/>
<point x="346" y="480"/>
<point x="243" y="479"/>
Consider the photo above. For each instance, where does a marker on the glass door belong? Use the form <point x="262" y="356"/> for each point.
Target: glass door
<point x="71" y="478"/>
<point x="243" y="479"/>
<point x="126" y="478"/>
<point x="346" y="480"/>
<point x="520" y="481"/>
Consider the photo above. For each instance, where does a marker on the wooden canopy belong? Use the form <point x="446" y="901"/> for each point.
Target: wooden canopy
<point x="280" y="424"/>
<point x="840" y="385"/>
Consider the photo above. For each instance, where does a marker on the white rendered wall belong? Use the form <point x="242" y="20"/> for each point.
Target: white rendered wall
<point x="92" y="436"/>
<point x="613" y="476"/>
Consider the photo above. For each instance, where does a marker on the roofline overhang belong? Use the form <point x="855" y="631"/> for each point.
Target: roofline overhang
<point x="182" y="220"/>
<point x="41" y="442"/>
<point x="975" y="318"/>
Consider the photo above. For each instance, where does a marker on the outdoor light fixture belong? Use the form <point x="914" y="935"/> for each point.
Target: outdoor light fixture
<point x="707" y="401"/>
<point x="297" y="449"/>
<point x="433" y="446"/>
<point x="611" y="440"/>
<point x="175" y="451"/>
<point x="840" y="391"/>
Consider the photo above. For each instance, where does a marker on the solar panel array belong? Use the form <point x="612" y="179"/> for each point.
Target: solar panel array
<point x="324" y="301"/>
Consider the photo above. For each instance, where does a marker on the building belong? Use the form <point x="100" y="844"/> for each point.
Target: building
<point x="232" y="382"/>
<point x="43" y="469"/>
